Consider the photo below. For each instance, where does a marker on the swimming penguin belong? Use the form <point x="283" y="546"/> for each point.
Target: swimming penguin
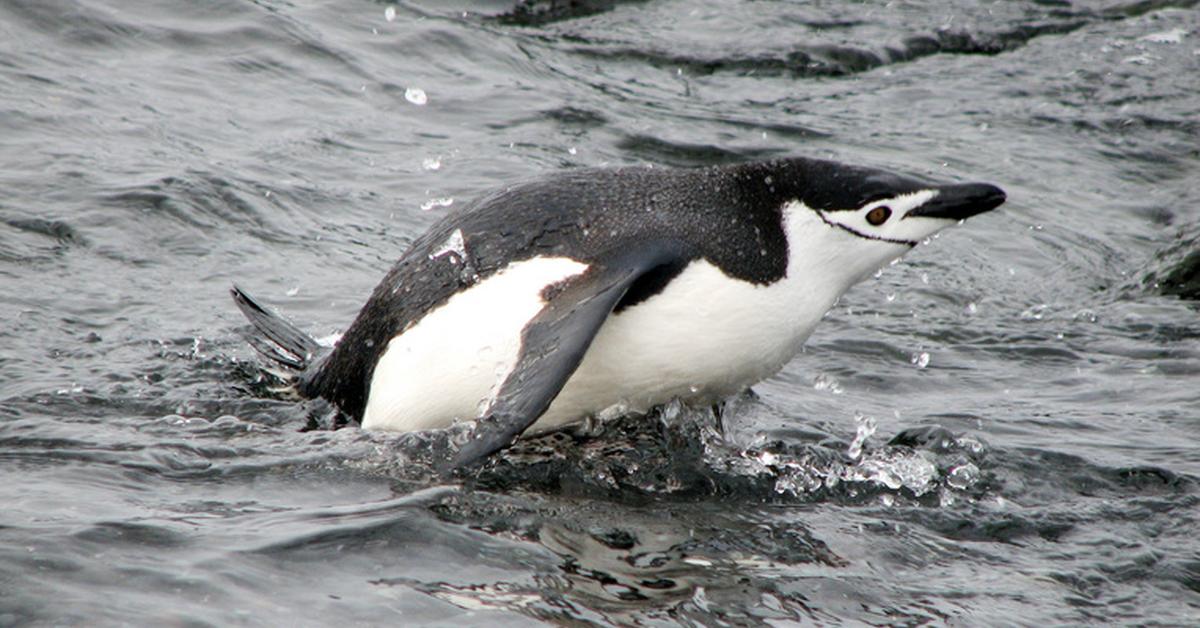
<point x="610" y="289"/>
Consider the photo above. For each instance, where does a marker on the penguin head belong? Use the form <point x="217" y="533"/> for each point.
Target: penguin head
<point x="906" y="214"/>
<point x="870" y="216"/>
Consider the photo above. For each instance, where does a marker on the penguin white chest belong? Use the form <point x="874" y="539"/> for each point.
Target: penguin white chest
<point x="448" y="365"/>
<point x="705" y="336"/>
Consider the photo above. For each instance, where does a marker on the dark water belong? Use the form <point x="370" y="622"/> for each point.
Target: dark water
<point x="1033" y="378"/>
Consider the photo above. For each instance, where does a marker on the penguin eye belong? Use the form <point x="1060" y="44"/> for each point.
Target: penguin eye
<point x="879" y="215"/>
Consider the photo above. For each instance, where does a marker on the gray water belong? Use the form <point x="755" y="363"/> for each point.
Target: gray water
<point x="1001" y="430"/>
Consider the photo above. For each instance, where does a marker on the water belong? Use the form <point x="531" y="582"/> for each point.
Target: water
<point x="1031" y="377"/>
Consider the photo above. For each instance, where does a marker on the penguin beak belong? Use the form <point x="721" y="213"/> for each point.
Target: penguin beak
<point x="961" y="201"/>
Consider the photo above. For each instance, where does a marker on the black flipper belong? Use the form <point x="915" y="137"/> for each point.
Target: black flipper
<point x="555" y="341"/>
<point x="277" y="340"/>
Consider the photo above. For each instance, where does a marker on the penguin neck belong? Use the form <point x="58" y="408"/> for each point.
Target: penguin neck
<point x="825" y="262"/>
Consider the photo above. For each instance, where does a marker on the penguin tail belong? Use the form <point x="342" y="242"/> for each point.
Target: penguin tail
<point x="287" y="350"/>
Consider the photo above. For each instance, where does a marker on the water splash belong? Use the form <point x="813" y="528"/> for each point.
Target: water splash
<point x="827" y="382"/>
<point x="416" y="96"/>
<point x="963" y="477"/>
<point x="866" y="429"/>
<point x="1035" y="313"/>
<point x="895" y="469"/>
<point x="444" y="201"/>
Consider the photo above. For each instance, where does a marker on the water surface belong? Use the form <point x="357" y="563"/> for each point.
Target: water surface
<point x="1022" y="393"/>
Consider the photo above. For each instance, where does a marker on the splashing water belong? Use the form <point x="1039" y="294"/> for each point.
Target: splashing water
<point x="828" y="382"/>
<point x="866" y="429"/>
<point x="436" y="202"/>
<point x="416" y="96"/>
<point x="895" y="470"/>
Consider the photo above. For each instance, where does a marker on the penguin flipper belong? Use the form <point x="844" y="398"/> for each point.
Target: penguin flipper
<point x="276" y="339"/>
<point x="555" y="340"/>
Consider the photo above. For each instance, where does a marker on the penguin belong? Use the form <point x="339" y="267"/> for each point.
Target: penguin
<point x="599" y="291"/>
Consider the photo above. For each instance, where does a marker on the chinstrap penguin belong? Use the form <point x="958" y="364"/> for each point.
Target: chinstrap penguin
<point x="600" y="289"/>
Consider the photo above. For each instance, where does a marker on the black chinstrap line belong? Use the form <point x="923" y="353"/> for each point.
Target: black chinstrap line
<point x="908" y="243"/>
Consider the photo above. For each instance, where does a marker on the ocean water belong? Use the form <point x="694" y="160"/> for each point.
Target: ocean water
<point x="1001" y="430"/>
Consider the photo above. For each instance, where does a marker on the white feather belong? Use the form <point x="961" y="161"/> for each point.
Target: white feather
<point x="451" y="361"/>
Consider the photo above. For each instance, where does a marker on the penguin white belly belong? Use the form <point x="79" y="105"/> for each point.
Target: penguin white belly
<point x="705" y="336"/>
<point x="449" y="364"/>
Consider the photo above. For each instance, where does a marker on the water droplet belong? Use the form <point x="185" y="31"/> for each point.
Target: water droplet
<point x="827" y="382"/>
<point x="1035" y="313"/>
<point x="866" y="428"/>
<point x="416" y="96"/>
<point x="437" y="202"/>
<point x="963" y="477"/>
